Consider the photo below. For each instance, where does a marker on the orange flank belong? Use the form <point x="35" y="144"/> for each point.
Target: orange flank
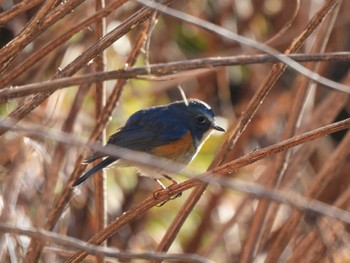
<point x="180" y="151"/>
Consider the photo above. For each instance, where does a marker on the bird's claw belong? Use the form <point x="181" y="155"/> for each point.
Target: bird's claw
<point x="157" y="193"/>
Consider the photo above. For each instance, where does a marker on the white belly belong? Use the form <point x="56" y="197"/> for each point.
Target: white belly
<point x="150" y="171"/>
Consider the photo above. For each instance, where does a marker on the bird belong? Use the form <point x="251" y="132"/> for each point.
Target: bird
<point x="173" y="132"/>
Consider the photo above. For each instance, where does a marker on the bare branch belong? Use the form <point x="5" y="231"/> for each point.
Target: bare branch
<point x="162" y="69"/>
<point x="227" y="34"/>
<point x="70" y="242"/>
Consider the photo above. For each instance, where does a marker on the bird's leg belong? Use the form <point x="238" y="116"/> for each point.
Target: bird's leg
<point x="174" y="183"/>
<point x="160" y="183"/>
<point x="157" y="192"/>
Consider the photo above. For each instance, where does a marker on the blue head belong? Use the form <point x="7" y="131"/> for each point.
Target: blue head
<point x="199" y="118"/>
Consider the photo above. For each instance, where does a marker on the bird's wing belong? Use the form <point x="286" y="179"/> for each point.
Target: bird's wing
<point x="146" y="137"/>
<point x="145" y="130"/>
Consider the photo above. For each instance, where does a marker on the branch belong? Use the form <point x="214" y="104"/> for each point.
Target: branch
<point x="227" y="34"/>
<point x="17" y="10"/>
<point x="227" y="169"/>
<point x="242" y="123"/>
<point x="70" y="242"/>
<point x="162" y="69"/>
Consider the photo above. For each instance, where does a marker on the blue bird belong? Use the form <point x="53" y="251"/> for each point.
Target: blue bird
<point x="175" y="132"/>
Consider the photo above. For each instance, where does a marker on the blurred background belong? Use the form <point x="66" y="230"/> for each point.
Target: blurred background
<point x="28" y="163"/>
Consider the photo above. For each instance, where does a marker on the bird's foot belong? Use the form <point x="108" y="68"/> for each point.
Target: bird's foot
<point x="172" y="197"/>
<point x="174" y="183"/>
<point x="156" y="194"/>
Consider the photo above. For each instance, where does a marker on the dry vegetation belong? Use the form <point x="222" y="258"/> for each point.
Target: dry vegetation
<point x="71" y="72"/>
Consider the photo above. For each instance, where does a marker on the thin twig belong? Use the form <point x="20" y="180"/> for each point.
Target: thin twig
<point x="319" y="183"/>
<point x="244" y="120"/>
<point x="227" y="34"/>
<point x="64" y="198"/>
<point x="139" y="17"/>
<point x="17" y="9"/>
<point x="70" y="242"/>
<point x="100" y="195"/>
<point x="259" y="227"/>
<point x="286" y="26"/>
<point x="39" y="23"/>
<point x="10" y="194"/>
<point x="228" y="168"/>
<point x="57" y="163"/>
<point x="8" y="77"/>
<point x="162" y="69"/>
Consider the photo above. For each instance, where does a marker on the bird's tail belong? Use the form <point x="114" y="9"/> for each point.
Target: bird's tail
<point x="95" y="169"/>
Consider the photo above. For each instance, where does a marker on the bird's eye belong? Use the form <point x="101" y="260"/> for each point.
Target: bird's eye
<point x="200" y="119"/>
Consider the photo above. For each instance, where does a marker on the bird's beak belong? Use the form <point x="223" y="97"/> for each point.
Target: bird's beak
<point x="217" y="127"/>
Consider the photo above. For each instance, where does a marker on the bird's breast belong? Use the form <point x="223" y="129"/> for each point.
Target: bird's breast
<point x="181" y="150"/>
